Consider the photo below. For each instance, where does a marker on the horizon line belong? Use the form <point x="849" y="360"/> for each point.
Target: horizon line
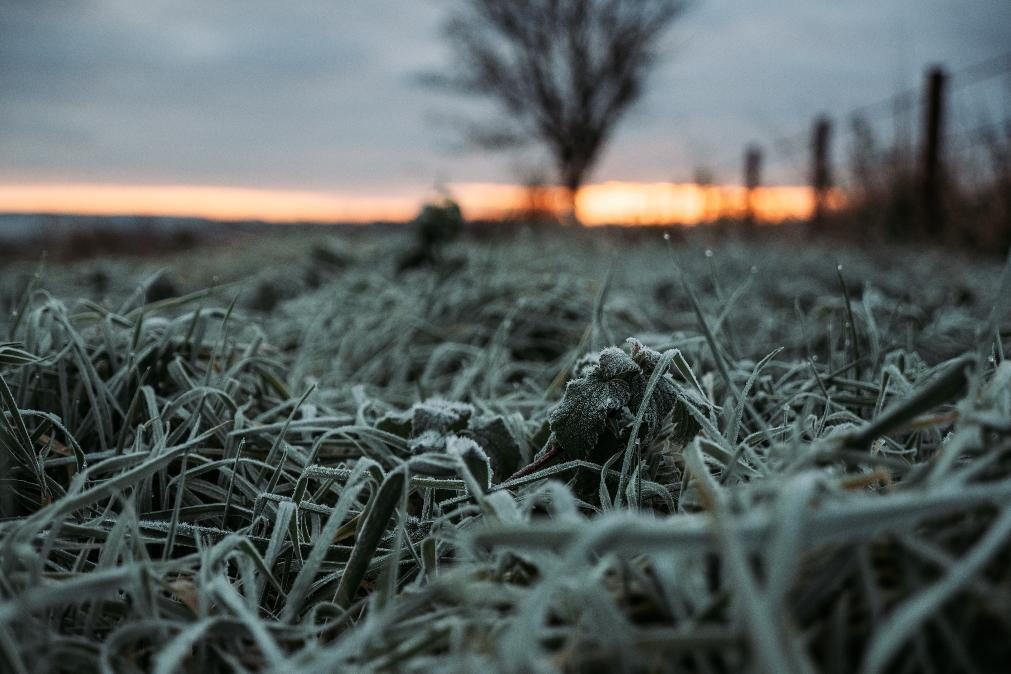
<point x="604" y="203"/>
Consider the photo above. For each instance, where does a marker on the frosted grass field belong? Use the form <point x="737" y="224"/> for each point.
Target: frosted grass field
<point x="294" y="458"/>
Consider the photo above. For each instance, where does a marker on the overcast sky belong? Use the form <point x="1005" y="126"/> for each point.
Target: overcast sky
<point x="322" y="94"/>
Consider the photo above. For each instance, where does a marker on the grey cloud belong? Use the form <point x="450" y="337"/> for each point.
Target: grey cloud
<point x="320" y="94"/>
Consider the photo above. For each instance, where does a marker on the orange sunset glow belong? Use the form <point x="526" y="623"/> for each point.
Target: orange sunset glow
<point x="625" y="203"/>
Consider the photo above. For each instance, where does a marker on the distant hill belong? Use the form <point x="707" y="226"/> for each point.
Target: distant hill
<point x="22" y="226"/>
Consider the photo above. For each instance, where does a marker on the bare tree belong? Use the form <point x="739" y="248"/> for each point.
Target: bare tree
<point x="562" y="72"/>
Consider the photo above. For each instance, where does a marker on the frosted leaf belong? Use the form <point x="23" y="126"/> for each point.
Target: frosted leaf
<point x="583" y="413"/>
<point x="492" y="433"/>
<point x="685" y="425"/>
<point x="618" y="381"/>
<point x="591" y="399"/>
<point x="460" y="446"/>
<point x="644" y="357"/>
<point x="472" y="455"/>
<point x="664" y="396"/>
<point x="428" y="441"/>
<point x="439" y="415"/>
<point x="661" y="403"/>
<point x="397" y="423"/>
<point x="668" y="398"/>
<point x="585" y="365"/>
<point x="615" y="363"/>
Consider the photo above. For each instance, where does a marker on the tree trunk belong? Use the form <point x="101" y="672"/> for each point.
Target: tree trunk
<point x="572" y="180"/>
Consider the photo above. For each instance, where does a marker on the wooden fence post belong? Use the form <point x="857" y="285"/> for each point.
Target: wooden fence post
<point x="752" y="180"/>
<point x="821" y="170"/>
<point x="931" y="177"/>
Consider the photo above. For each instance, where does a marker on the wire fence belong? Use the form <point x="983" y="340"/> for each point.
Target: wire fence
<point x="932" y="162"/>
<point x="977" y="110"/>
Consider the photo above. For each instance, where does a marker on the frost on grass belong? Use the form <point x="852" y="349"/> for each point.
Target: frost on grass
<point x="169" y="501"/>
